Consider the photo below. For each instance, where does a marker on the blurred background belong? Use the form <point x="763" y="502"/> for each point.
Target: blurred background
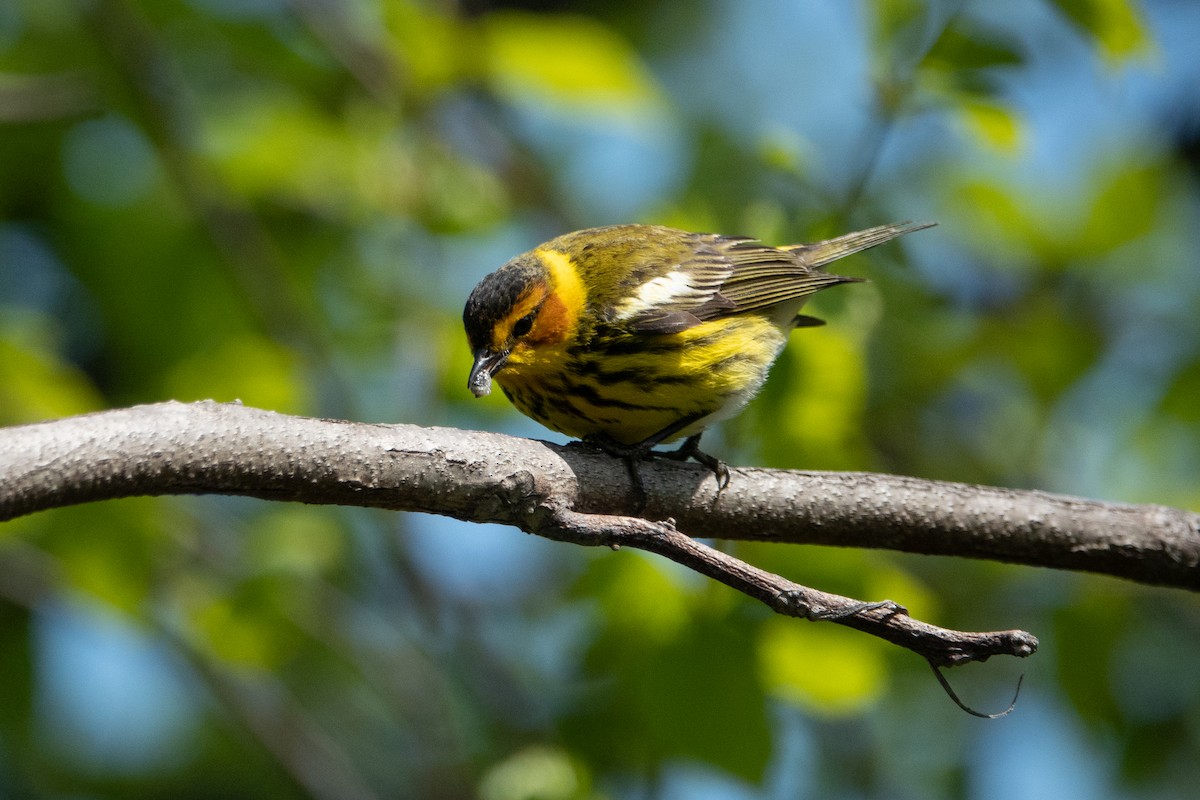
<point x="286" y="202"/>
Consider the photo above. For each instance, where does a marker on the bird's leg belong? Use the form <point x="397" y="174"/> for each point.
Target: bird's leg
<point x="632" y="454"/>
<point x="691" y="449"/>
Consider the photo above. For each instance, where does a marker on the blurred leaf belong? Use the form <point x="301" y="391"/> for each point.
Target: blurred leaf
<point x="988" y="412"/>
<point x="895" y="26"/>
<point x="721" y="185"/>
<point x="36" y="385"/>
<point x="824" y="668"/>
<point x="961" y="48"/>
<point x="134" y="265"/>
<point x="246" y="625"/>
<point x="682" y="702"/>
<point x="784" y="151"/>
<point x="17" y="670"/>
<point x="644" y="604"/>
<point x="672" y="696"/>
<point x="887" y="581"/>
<point x="1126" y="206"/>
<point x="565" y="60"/>
<point x="995" y="125"/>
<point x="536" y="773"/>
<point x="1179" y="401"/>
<point x="431" y="44"/>
<point x="1115" y="25"/>
<point x="1084" y="632"/>
<point x="810" y="413"/>
<point x="256" y="371"/>
<point x="296" y="541"/>
<point x="1000" y="221"/>
<point x="1164" y="445"/>
<point x="1050" y="348"/>
<point x="110" y="550"/>
<point x="457" y="195"/>
<point x="268" y="144"/>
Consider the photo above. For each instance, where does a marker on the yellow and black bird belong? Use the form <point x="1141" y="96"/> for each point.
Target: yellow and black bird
<point x="630" y="336"/>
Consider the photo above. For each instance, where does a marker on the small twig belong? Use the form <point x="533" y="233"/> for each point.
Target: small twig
<point x="953" y="696"/>
<point x="885" y="619"/>
<point x="902" y="80"/>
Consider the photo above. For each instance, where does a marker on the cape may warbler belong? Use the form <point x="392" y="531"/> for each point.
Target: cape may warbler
<point x="630" y="336"/>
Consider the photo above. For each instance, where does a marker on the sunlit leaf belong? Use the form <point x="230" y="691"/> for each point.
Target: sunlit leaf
<point x="296" y="540"/>
<point x="119" y="566"/>
<point x="565" y="60"/>
<point x="813" y="403"/>
<point x="961" y="48"/>
<point x="256" y="371"/>
<point x="676" y="699"/>
<point x="1001" y="221"/>
<point x="241" y="625"/>
<point x="434" y="47"/>
<point x="270" y="144"/>
<point x="536" y="773"/>
<point x="886" y="581"/>
<point x="895" y="24"/>
<point x="820" y="667"/>
<point x="1126" y="206"/>
<point x="36" y="385"/>
<point x="642" y="600"/>
<point x="1116" y="26"/>
<point x="994" y="124"/>
<point x="784" y="151"/>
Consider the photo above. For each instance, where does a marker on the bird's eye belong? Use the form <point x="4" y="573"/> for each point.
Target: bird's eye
<point x="522" y="326"/>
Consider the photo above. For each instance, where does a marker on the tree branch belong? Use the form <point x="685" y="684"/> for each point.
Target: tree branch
<point x="574" y="493"/>
<point x="175" y="448"/>
<point x="941" y="647"/>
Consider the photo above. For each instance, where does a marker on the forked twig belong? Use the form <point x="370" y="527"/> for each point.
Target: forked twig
<point x="941" y="647"/>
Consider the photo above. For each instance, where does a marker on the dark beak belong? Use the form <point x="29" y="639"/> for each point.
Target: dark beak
<point x="486" y="365"/>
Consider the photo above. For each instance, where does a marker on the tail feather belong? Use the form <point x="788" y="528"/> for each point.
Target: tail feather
<point x="818" y="254"/>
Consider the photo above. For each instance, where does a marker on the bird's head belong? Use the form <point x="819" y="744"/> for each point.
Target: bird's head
<point x="520" y="311"/>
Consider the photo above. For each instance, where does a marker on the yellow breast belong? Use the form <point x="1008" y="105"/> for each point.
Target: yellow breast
<point x="631" y="387"/>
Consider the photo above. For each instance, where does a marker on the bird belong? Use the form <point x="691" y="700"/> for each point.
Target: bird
<point x="631" y="336"/>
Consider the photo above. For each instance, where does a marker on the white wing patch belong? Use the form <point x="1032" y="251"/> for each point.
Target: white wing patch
<point x="665" y="290"/>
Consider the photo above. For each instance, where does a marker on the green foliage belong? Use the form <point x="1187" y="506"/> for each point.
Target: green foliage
<point x="826" y="670"/>
<point x="575" y="62"/>
<point x="1115" y="25"/>
<point x="36" y="384"/>
<point x="661" y="629"/>
<point x="286" y="204"/>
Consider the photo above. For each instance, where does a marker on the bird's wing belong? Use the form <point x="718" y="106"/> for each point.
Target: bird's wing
<point x="764" y="277"/>
<point x="818" y="254"/>
<point x="719" y="276"/>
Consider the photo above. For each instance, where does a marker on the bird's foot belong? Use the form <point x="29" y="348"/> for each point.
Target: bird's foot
<point x="691" y="449"/>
